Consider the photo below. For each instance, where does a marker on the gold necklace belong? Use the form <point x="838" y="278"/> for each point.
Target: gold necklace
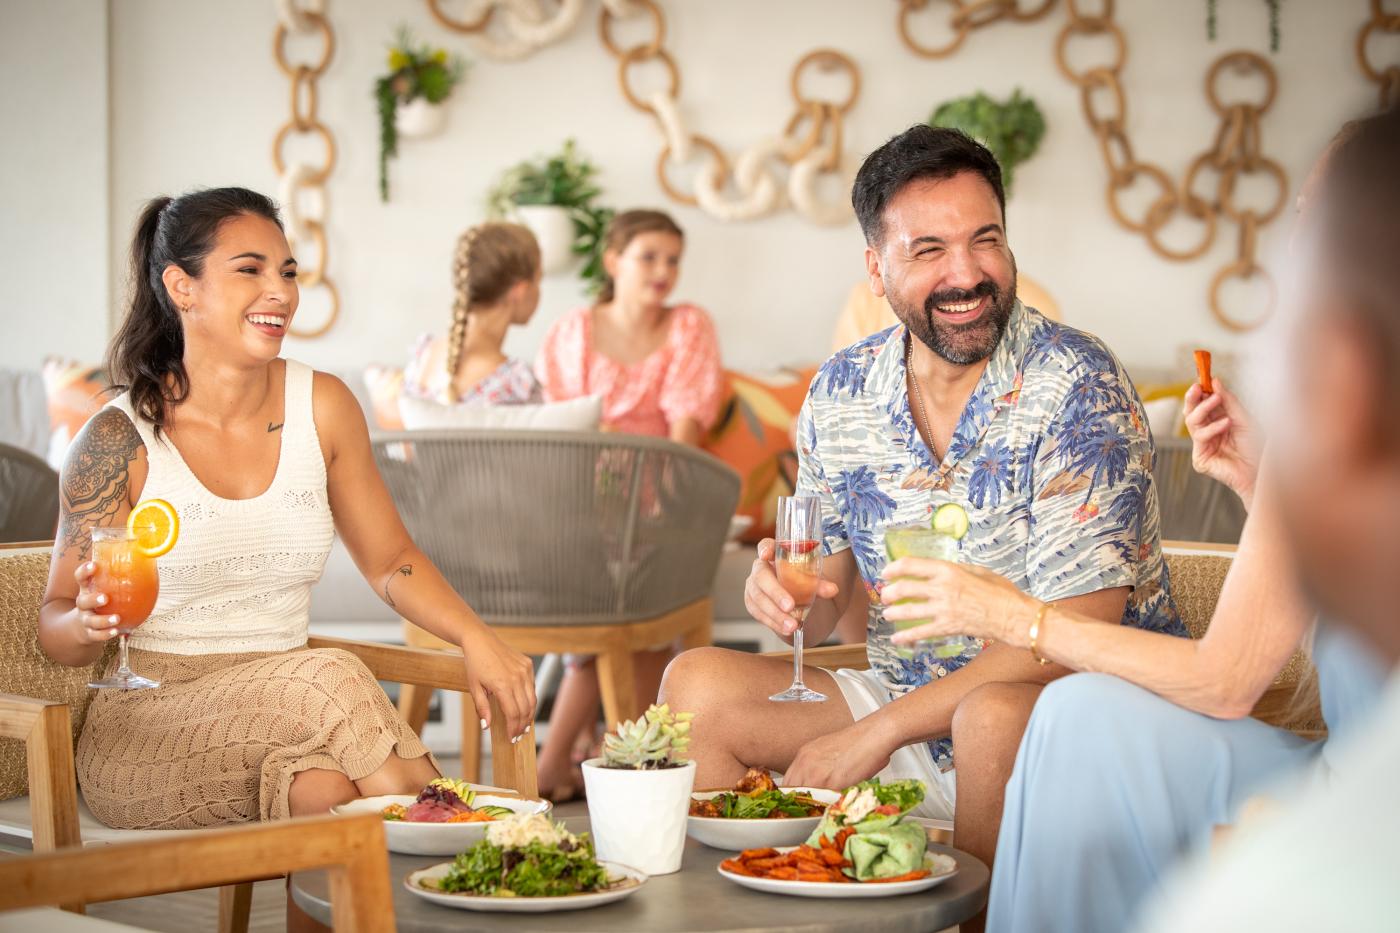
<point x="919" y="399"/>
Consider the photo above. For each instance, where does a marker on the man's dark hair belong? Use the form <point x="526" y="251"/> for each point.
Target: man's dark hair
<point x="922" y="151"/>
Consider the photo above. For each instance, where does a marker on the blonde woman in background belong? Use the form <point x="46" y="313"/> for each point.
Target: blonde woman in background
<point x="657" y="367"/>
<point x="496" y="281"/>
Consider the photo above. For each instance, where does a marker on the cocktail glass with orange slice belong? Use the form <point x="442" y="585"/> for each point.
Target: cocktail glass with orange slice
<point x="125" y="572"/>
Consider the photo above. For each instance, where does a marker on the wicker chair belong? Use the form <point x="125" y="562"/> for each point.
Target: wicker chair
<point x="43" y="705"/>
<point x="1197" y="575"/>
<point x="600" y="544"/>
<point x="28" y="496"/>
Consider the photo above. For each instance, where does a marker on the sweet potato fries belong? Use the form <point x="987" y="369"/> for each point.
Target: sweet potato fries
<point x="1203" y="372"/>
<point x="806" y="863"/>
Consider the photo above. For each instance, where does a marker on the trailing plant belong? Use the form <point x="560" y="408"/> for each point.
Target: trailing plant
<point x="414" y="71"/>
<point x="1011" y="130"/>
<point x="565" y="179"/>
<point x="658" y="740"/>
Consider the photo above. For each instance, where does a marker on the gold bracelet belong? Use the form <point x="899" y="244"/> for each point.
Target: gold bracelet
<point x="1034" y="633"/>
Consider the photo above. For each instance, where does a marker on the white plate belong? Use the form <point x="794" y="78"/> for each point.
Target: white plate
<point x="942" y="866"/>
<point x="627" y="881"/>
<point x="436" y="838"/>
<point x="737" y="835"/>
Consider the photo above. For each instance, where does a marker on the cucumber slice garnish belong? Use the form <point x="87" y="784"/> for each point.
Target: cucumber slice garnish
<point x="951" y="519"/>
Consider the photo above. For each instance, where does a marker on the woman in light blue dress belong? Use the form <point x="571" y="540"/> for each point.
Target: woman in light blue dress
<point x="1123" y="772"/>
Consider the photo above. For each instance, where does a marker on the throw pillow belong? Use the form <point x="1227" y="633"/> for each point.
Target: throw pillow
<point x="385" y="385"/>
<point x="754" y="435"/>
<point x="74" y="394"/>
<point x="579" y="414"/>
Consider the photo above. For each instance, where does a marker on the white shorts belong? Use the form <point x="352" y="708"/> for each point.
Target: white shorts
<point x="864" y="694"/>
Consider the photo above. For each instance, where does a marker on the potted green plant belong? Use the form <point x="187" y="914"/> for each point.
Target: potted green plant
<point x="1011" y="129"/>
<point x="410" y="97"/>
<point x="555" y="197"/>
<point x="639" y="791"/>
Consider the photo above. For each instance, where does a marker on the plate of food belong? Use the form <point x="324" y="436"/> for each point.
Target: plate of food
<point x="526" y="864"/>
<point x="863" y="847"/>
<point x="756" y="813"/>
<point x="446" y="817"/>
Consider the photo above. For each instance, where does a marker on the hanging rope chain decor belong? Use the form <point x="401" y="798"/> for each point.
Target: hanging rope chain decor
<point x="300" y="181"/>
<point x="1387" y="79"/>
<point x="525" y="26"/>
<point x="811" y="143"/>
<point x="1235" y="155"/>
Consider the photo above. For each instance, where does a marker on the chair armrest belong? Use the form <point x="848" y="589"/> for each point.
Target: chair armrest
<point x="512" y="764"/>
<point x="46" y="729"/>
<point x="835" y="657"/>
<point x="352" y="849"/>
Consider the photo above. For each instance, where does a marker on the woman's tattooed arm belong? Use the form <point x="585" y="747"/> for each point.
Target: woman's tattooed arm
<point x="96" y="477"/>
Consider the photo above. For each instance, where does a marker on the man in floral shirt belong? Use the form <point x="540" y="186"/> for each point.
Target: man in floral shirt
<point x="975" y="399"/>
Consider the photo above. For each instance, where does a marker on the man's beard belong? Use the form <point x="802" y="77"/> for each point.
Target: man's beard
<point x="959" y="344"/>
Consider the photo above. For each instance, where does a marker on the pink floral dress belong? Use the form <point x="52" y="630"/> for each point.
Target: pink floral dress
<point x="680" y="379"/>
<point x="511" y="383"/>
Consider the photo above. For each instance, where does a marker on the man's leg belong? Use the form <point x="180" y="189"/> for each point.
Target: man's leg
<point x="987" y="729"/>
<point x="736" y="727"/>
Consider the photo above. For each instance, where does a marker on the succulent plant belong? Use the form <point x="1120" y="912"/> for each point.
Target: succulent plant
<point x="658" y="740"/>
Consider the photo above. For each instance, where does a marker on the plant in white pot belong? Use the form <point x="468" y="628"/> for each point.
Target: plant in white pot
<point x="639" y="792"/>
<point x="411" y="96"/>
<point x="555" y="198"/>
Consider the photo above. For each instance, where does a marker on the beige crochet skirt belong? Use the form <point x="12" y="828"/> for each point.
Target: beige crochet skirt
<point x="222" y="738"/>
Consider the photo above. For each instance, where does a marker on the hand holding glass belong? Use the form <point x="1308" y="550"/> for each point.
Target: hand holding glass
<point x="798" y="563"/>
<point x="127" y="577"/>
<point x="922" y="541"/>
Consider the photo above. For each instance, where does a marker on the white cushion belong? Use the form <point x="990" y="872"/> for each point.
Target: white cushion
<point x="53" y="920"/>
<point x="15" y="822"/>
<point x="1164" y="416"/>
<point x="580" y="414"/>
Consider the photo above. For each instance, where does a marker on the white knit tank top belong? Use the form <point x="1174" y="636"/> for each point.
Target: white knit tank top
<point x="239" y="578"/>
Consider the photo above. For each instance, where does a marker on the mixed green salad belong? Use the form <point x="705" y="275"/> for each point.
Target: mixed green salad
<point x="763" y="805"/>
<point x="526" y="856"/>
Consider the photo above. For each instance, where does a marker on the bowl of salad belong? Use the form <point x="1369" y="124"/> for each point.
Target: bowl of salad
<point x="756" y="813"/>
<point x="447" y="816"/>
<point x="526" y="864"/>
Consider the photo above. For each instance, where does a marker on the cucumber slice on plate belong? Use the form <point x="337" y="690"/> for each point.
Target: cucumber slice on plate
<point x="951" y="519"/>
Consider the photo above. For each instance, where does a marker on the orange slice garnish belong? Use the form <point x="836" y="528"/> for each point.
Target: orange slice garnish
<point x="155" y="527"/>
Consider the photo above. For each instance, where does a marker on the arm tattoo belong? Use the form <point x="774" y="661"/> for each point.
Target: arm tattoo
<point x="407" y="571"/>
<point x="274" y="427"/>
<point x="96" y="475"/>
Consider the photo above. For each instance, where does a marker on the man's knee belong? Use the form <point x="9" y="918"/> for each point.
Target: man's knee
<point x="992" y="710"/>
<point x="695" y="679"/>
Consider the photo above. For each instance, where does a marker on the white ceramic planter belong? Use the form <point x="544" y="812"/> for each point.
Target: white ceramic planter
<point x="639" y="817"/>
<point x="553" y="227"/>
<point x="418" y="118"/>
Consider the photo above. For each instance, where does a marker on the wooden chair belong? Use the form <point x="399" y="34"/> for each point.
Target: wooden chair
<point x="588" y="543"/>
<point x="1197" y="575"/>
<point x="352" y="848"/>
<point x="48" y="716"/>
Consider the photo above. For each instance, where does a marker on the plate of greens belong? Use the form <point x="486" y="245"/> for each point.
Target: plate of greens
<point x="756" y="813"/>
<point x="447" y="816"/>
<point x="526" y="864"/>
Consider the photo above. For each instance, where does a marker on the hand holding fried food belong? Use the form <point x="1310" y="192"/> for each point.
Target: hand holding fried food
<point x="1203" y="375"/>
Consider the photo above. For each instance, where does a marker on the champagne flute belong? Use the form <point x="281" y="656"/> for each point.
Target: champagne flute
<point x="127" y="577"/>
<point x="799" y="566"/>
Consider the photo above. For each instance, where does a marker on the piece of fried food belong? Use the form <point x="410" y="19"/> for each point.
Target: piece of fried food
<point x="756" y="781"/>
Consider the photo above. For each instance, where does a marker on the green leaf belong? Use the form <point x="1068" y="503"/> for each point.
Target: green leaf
<point x="1012" y="130"/>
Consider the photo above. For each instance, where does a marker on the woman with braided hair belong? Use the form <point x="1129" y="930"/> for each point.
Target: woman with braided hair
<point x="496" y="284"/>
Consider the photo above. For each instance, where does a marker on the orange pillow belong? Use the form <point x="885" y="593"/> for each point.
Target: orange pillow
<point x="75" y="392"/>
<point x="385" y="385"/>
<point x="754" y="435"/>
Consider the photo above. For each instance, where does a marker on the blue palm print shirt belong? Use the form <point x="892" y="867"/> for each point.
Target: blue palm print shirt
<point x="1051" y="459"/>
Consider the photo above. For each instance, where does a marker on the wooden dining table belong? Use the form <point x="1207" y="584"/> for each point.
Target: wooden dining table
<point x="696" y="899"/>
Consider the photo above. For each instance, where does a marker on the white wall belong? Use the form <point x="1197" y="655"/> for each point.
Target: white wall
<point x="196" y="100"/>
<point x="53" y="179"/>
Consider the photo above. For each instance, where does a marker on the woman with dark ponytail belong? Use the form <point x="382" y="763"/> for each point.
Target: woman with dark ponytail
<point x="264" y="461"/>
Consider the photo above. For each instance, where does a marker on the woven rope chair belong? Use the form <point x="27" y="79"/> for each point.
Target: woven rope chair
<point x="43" y="705"/>
<point x="600" y="544"/>
<point x="28" y="496"/>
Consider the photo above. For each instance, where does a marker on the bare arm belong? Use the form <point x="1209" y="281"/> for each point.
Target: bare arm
<point x="398" y="571"/>
<point x="102" y="478"/>
<point x="686" y="431"/>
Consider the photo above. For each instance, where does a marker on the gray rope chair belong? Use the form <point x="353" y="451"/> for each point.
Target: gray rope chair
<point x="1193" y="507"/>
<point x="589" y="543"/>
<point x="28" y="497"/>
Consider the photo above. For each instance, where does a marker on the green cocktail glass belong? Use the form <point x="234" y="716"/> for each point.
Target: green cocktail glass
<point x="922" y="541"/>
